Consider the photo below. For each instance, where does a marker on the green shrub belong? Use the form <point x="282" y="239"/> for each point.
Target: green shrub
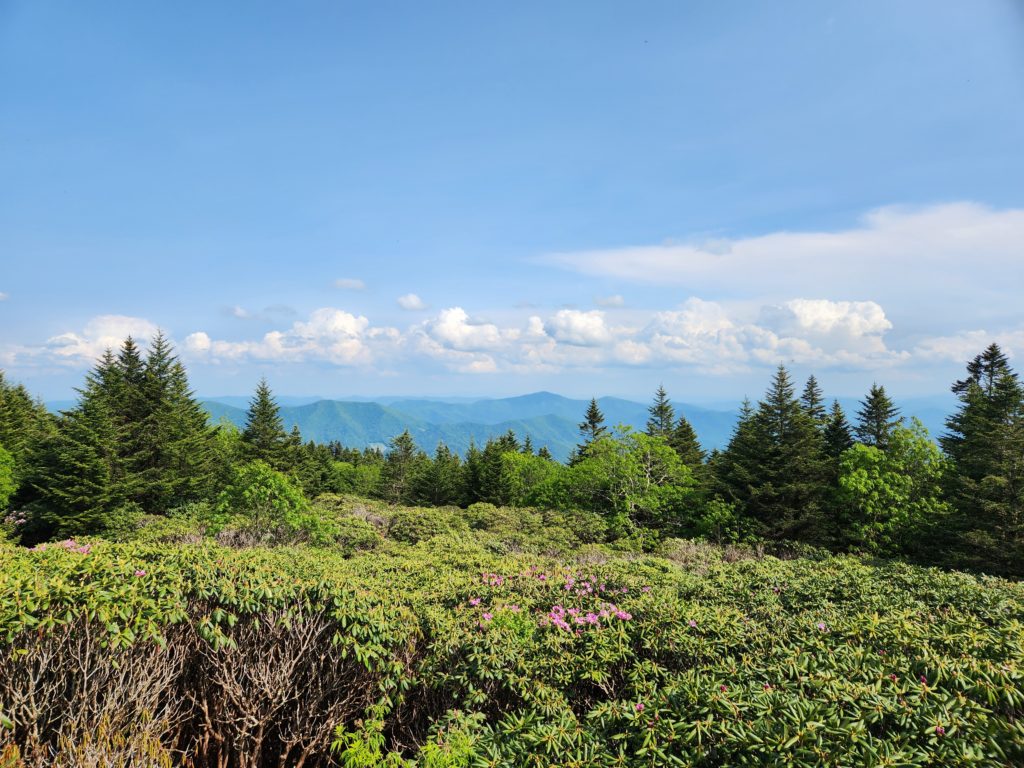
<point x="414" y="524"/>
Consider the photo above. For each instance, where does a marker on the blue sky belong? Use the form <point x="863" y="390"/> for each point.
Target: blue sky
<point x="487" y="199"/>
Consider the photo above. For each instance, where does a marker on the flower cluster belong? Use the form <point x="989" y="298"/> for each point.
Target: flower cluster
<point x="492" y="579"/>
<point x="69" y="544"/>
<point x="564" y="618"/>
<point x="16" y="518"/>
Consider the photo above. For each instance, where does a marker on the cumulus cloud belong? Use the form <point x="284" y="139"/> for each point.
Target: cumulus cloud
<point x="584" y="329"/>
<point x="960" y="347"/>
<point x="330" y="335"/>
<point x="411" y="302"/>
<point x="350" y="284"/>
<point x="82" y="347"/>
<point x="901" y="257"/>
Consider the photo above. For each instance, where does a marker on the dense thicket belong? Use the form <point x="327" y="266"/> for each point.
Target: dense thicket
<point x="138" y="444"/>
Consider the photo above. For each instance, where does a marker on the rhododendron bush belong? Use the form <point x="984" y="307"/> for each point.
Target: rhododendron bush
<point x="445" y="653"/>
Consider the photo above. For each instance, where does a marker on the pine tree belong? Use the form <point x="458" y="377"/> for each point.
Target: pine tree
<point x="837" y="434"/>
<point x="813" y="401"/>
<point x="399" y="469"/>
<point x="877" y="418"/>
<point x="662" y="421"/>
<point x="264" y="437"/>
<point x="25" y="428"/>
<point x="773" y="468"/>
<point x="591" y="428"/>
<point x="441" y="480"/>
<point x="528" y="445"/>
<point x="84" y="477"/>
<point x="985" y="441"/>
<point x="545" y="454"/>
<point x="494" y="487"/>
<point x="684" y="440"/>
<point x="472" y="475"/>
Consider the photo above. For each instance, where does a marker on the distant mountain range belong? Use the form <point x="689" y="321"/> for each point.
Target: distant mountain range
<point x="548" y="419"/>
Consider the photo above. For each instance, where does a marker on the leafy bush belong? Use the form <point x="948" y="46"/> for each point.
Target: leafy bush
<point x="444" y="653"/>
<point x="414" y="524"/>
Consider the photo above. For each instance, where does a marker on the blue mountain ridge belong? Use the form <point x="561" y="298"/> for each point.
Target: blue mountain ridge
<point x="549" y="419"/>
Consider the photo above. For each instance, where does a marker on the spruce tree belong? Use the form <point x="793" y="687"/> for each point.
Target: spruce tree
<point x="985" y="442"/>
<point x="877" y="418"/>
<point x="441" y="480"/>
<point x="837" y="434"/>
<point x="662" y="421"/>
<point x="472" y="475"/>
<point x="399" y="469"/>
<point x="264" y="437"/>
<point x="813" y="401"/>
<point x="591" y="428"/>
<point x="773" y="468"/>
<point x="684" y="440"/>
<point x="545" y="454"/>
<point x="26" y="426"/>
<point x="528" y="445"/>
<point x="84" y="477"/>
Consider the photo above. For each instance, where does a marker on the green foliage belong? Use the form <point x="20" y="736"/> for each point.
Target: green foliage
<point x="891" y="495"/>
<point x="8" y="484"/>
<point x="877" y="418"/>
<point x="263" y="437"/>
<point x="264" y="500"/>
<point x="447" y="654"/>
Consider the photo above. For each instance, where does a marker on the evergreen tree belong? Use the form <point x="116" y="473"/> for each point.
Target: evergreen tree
<point x="25" y="428"/>
<point x="264" y="437"/>
<point x="399" y="470"/>
<point x="472" y="475"/>
<point x="877" y="418"/>
<point x="528" y="445"/>
<point x="985" y="442"/>
<point x="684" y="440"/>
<point x="440" y="483"/>
<point x="591" y="428"/>
<point x="84" y="478"/>
<point x="813" y="401"/>
<point x="773" y="468"/>
<point x="544" y="453"/>
<point x="494" y="487"/>
<point x="662" y="421"/>
<point x="837" y="433"/>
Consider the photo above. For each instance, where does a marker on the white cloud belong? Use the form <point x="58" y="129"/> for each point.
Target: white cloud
<point x="3" y="296"/>
<point x="610" y="301"/>
<point x="330" y="335"/>
<point x="908" y="259"/>
<point x="411" y="302"/>
<point x="350" y="284"/>
<point x="584" y="329"/>
<point x="452" y="328"/>
<point x="240" y="313"/>
<point x="961" y="347"/>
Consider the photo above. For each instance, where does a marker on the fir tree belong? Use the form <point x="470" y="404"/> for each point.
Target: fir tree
<point x="591" y="428"/>
<point x="545" y="454"/>
<point x="528" y="445"/>
<point x="662" y="421"/>
<point x="472" y="475"/>
<point x="399" y="469"/>
<point x="84" y="478"/>
<point x="877" y="418"/>
<point x="837" y="434"/>
<point x="985" y="441"/>
<point x="813" y="401"/>
<point x="775" y="469"/>
<point x="441" y="480"/>
<point x="264" y="437"/>
<point x="684" y="440"/>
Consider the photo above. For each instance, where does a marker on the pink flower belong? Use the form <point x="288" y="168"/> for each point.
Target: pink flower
<point x="893" y="678"/>
<point x="591" y="618"/>
<point x="474" y="601"/>
<point x="767" y="686"/>
<point x="693" y="623"/>
<point x="623" y="615"/>
<point x="645" y="589"/>
<point x="488" y="616"/>
<point x="924" y="680"/>
<point x="939" y="730"/>
<point x="514" y="608"/>
<point x="639" y="706"/>
<point x="722" y="688"/>
<point x="822" y="627"/>
<point x="140" y="572"/>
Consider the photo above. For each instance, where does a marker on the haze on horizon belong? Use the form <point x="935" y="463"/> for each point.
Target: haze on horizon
<point x="474" y="200"/>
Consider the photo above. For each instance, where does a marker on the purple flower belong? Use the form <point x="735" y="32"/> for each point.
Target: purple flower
<point x="140" y="572"/>
<point x="822" y="627"/>
<point x="940" y="731"/>
<point x="924" y="680"/>
<point x="474" y="601"/>
<point x="488" y="616"/>
<point x="623" y="615"/>
<point x="692" y="623"/>
<point x="639" y="706"/>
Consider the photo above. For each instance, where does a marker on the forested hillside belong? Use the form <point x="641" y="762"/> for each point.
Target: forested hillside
<point x="796" y="467"/>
